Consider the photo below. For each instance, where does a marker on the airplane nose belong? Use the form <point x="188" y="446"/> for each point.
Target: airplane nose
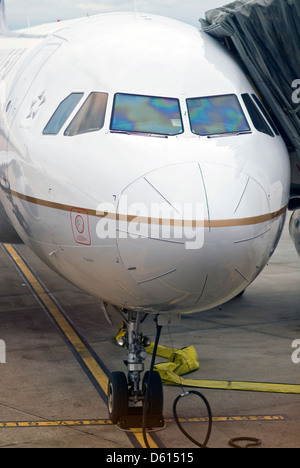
<point x="190" y="234"/>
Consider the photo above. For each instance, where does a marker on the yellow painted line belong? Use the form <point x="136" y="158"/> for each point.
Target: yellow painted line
<point x="140" y="439"/>
<point x="216" y="419"/>
<point x="26" y="424"/>
<point x="66" y="328"/>
<point x="137" y="432"/>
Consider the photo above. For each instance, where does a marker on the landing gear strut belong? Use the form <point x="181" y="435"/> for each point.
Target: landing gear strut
<point x="132" y="402"/>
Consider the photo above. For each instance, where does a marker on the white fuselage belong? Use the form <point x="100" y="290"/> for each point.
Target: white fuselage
<point x="54" y="186"/>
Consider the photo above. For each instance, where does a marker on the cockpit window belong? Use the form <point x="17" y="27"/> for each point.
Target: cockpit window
<point x="62" y="113"/>
<point x="257" y="118"/>
<point x="146" y="114"/>
<point x="90" y="117"/>
<point x="217" y="115"/>
<point x="266" y="114"/>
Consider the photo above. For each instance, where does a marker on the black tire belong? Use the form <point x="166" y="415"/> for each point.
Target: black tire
<point x="117" y="397"/>
<point x="154" y="396"/>
<point x="241" y="294"/>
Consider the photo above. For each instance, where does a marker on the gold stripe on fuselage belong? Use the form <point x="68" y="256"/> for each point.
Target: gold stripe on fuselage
<point x="157" y="221"/>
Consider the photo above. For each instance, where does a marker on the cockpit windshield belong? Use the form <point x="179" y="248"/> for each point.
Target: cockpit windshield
<point x="217" y="115"/>
<point x="146" y="114"/>
<point x="150" y="115"/>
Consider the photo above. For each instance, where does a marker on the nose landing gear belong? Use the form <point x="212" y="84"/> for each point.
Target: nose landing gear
<point x="130" y="403"/>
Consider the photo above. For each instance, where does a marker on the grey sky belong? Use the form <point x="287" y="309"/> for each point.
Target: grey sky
<point x="20" y="13"/>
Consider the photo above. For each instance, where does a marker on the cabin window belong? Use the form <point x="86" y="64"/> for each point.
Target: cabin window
<point x="217" y="115"/>
<point x="62" y="113"/>
<point x="257" y="118"/>
<point x="146" y="114"/>
<point x="90" y="117"/>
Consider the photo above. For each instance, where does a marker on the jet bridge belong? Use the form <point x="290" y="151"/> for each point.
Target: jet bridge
<point x="265" y="35"/>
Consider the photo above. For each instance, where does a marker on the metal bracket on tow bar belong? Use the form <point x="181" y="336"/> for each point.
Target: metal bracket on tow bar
<point x="169" y="319"/>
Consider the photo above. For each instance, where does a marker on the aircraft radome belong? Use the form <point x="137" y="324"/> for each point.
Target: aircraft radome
<point x="137" y="162"/>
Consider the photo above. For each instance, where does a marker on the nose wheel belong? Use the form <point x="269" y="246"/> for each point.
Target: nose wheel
<point x="130" y="402"/>
<point x="117" y="397"/>
<point x="154" y="394"/>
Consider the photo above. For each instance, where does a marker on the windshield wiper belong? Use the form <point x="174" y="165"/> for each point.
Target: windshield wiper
<point x="128" y="132"/>
<point x="219" y="135"/>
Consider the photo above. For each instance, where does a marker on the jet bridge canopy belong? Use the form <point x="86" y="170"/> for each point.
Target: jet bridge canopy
<point x="265" y="34"/>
